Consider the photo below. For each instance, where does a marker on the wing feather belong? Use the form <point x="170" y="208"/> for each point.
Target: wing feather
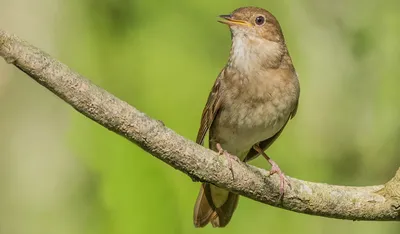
<point x="210" y="111"/>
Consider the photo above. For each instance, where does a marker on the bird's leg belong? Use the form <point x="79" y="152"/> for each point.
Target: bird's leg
<point x="274" y="169"/>
<point x="229" y="157"/>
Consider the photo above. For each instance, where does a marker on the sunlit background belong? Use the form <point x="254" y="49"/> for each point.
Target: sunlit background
<point x="62" y="173"/>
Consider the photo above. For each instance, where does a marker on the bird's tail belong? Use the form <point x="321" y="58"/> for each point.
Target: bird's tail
<point x="205" y="211"/>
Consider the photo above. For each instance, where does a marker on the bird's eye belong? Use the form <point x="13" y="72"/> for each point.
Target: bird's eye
<point x="260" y="20"/>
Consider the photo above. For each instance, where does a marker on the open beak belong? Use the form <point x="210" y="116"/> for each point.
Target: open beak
<point x="227" y="19"/>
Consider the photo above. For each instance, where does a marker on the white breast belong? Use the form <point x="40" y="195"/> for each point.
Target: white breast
<point x="245" y="49"/>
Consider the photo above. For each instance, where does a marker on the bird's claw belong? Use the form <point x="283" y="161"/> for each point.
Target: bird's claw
<point x="275" y="169"/>
<point x="229" y="157"/>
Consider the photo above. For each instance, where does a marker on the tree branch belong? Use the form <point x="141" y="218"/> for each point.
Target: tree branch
<point x="381" y="202"/>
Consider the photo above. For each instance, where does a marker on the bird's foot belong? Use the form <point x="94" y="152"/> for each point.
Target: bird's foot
<point x="275" y="169"/>
<point x="229" y="157"/>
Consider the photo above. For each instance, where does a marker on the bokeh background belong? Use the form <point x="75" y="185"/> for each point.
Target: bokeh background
<point x="62" y="173"/>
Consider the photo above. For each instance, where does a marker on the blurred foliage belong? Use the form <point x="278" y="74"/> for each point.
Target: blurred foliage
<point x="163" y="57"/>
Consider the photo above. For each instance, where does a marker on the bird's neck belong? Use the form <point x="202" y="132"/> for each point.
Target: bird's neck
<point x="251" y="54"/>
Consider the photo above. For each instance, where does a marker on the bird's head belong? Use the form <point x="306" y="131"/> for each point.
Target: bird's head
<point x="257" y="39"/>
<point x="253" y="22"/>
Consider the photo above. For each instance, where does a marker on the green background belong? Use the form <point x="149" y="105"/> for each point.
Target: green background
<point x="62" y="173"/>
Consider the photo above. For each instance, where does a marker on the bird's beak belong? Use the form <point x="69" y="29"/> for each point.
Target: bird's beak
<point x="227" y="19"/>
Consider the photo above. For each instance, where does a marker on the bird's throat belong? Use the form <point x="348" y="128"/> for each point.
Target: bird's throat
<point x="251" y="54"/>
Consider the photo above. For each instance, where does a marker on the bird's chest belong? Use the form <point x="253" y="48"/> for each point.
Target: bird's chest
<point x="252" y="112"/>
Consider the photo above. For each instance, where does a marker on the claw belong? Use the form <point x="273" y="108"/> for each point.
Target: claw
<point x="220" y="150"/>
<point x="275" y="169"/>
<point x="229" y="157"/>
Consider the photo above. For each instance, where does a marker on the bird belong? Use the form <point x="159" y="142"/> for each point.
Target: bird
<point x="253" y="98"/>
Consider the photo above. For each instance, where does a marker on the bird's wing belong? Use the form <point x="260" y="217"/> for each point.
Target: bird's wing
<point x="252" y="154"/>
<point x="210" y="110"/>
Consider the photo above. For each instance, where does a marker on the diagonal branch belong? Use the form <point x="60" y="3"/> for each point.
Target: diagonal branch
<point x="381" y="202"/>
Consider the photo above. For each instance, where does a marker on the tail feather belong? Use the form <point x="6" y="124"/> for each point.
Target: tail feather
<point x="205" y="210"/>
<point x="225" y="212"/>
<point x="202" y="209"/>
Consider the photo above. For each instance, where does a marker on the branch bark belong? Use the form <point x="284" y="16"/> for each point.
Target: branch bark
<point x="381" y="202"/>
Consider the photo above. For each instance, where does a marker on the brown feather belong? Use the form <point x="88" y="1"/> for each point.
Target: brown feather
<point x="203" y="212"/>
<point x="225" y="212"/>
<point x="210" y="111"/>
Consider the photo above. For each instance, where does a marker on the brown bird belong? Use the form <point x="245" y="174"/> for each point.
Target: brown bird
<point x="252" y="99"/>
